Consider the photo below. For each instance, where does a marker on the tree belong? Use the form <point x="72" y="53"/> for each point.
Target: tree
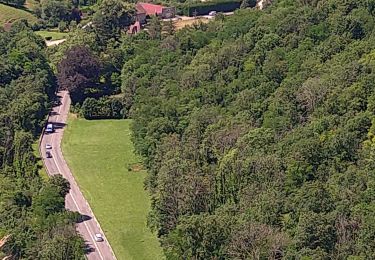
<point x="60" y="183"/>
<point x="48" y="202"/>
<point x="55" y="11"/>
<point x="78" y="71"/>
<point x="169" y="27"/>
<point x="61" y="243"/>
<point x="155" y="28"/>
<point x="111" y="17"/>
<point x="62" y="26"/>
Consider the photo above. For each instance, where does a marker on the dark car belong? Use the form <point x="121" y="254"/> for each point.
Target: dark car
<point x="48" y="154"/>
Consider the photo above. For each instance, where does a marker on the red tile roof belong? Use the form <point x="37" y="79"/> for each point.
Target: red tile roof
<point x="140" y="9"/>
<point x="151" y="9"/>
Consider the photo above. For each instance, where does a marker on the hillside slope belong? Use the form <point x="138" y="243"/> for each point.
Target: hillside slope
<point x="258" y="132"/>
<point x="12" y="14"/>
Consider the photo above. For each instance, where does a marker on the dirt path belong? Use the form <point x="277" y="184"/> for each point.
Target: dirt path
<point x="56" y="42"/>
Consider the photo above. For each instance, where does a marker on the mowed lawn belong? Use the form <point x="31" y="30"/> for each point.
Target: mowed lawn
<point x="99" y="153"/>
<point x="12" y="14"/>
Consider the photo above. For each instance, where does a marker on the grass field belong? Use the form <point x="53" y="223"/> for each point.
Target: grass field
<point x="182" y="23"/>
<point x="11" y="14"/>
<point x="53" y="34"/>
<point x="99" y="154"/>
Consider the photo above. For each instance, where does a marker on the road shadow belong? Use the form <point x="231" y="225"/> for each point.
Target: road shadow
<point x="83" y="218"/>
<point x="53" y="113"/>
<point x="57" y="125"/>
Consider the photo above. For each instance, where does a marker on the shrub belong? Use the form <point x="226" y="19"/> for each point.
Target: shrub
<point x="103" y="108"/>
<point x="203" y="8"/>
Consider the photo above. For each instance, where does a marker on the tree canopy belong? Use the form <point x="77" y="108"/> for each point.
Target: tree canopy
<point x="257" y="131"/>
<point x="32" y="214"/>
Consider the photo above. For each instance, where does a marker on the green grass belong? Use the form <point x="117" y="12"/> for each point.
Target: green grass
<point x="53" y="34"/>
<point x="12" y="14"/>
<point x="99" y="153"/>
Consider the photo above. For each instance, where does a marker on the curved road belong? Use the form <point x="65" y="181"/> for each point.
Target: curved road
<point x="74" y="201"/>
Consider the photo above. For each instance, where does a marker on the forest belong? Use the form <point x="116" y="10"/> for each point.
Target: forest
<point x="258" y="132"/>
<point x="33" y="220"/>
<point x="257" y="129"/>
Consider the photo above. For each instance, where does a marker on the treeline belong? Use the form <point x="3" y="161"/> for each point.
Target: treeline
<point x="17" y="3"/>
<point x="204" y="8"/>
<point x="257" y="129"/>
<point x="258" y="132"/>
<point x="52" y="13"/>
<point x="33" y="220"/>
<point x="89" y="63"/>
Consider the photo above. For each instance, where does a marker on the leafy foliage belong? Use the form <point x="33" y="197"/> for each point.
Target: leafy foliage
<point x="258" y="132"/>
<point x="31" y="210"/>
<point x="78" y="71"/>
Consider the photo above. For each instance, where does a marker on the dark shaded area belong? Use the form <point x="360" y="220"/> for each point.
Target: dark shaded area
<point x="82" y="218"/>
<point x="57" y="125"/>
<point x="88" y="249"/>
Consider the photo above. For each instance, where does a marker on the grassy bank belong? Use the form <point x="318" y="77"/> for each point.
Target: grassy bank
<point x="99" y="154"/>
<point x="12" y="14"/>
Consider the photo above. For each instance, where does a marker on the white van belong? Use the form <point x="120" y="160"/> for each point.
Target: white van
<point x="49" y="128"/>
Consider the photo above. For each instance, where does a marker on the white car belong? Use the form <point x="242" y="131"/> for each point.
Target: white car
<point x="98" y="237"/>
<point x="48" y="146"/>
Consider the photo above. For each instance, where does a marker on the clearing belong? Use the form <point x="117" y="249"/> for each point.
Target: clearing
<point x="12" y="14"/>
<point x="53" y="34"/>
<point x="99" y="153"/>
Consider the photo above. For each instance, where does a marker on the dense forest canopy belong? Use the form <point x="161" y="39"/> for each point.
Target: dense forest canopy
<point x="33" y="221"/>
<point x="258" y="129"/>
<point x="258" y="132"/>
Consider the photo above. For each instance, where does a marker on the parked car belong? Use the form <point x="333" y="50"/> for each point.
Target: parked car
<point x="98" y="237"/>
<point x="48" y="154"/>
<point x="48" y="146"/>
<point x="49" y="128"/>
<point x="212" y="13"/>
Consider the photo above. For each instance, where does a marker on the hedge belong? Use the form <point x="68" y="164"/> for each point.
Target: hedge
<point x="203" y="8"/>
<point x="103" y="108"/>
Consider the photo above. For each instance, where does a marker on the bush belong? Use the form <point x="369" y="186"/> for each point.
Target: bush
<point x="39" y="25"/>
<point x="103" y="108"/>
<point x="62" y="26"/>
<point x="204" y="8"/>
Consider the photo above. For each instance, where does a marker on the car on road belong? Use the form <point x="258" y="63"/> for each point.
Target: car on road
<point x="98" y="237"/>
<point x="212" y="13"/>
<point x="48" y="154"/>
<point x="48" y="146"/>
<point x="49" y="128"/>
<point x="56" y="102"/>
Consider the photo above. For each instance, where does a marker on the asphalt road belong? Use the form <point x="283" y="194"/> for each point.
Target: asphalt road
<point x="75" y="200"/>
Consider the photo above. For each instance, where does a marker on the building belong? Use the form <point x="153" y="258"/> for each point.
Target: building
<point x="141" y="14"/>
<point x="146" y="10"/>
<point x="150" y="9"/>
<point x="135" y="28"/>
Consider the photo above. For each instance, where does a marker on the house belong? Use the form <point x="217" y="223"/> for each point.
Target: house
<point x="135" y="28"/>
<point x="146" y="10"/>
<point x="158" y="10"/>
<point x="141" y="14"/>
